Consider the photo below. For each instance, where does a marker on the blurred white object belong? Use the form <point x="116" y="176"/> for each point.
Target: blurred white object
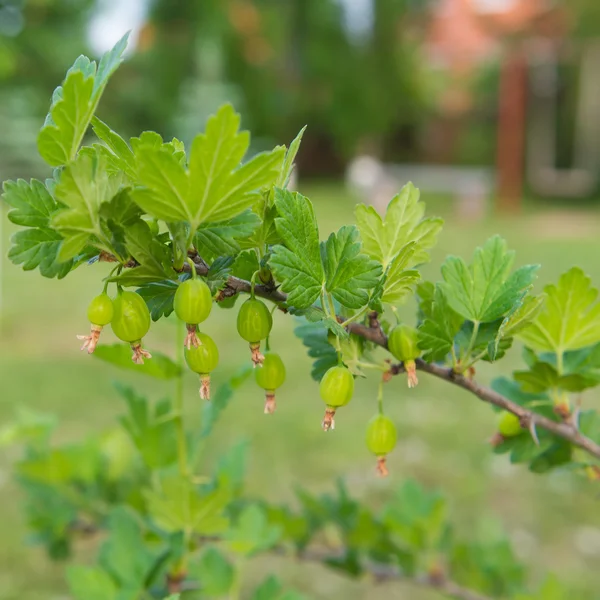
<point x="377" y="183"/>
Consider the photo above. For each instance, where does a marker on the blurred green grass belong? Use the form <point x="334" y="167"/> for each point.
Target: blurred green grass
<point x="442" y="430"/>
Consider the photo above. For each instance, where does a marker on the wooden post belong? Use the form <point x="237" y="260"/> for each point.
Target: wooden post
<point x="511" y="130"/>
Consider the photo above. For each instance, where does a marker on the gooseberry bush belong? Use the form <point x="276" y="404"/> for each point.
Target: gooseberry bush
<point x="183" y="230"/>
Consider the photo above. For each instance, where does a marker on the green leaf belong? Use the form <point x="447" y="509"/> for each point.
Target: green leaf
<point x="215" y="188"/>
<point x="297" y="265"/>
<point x="84" y="186"/>
<point x="245" y="265"/>
<point x="571" y="318"/>
<point x="159" y="298"/>
<point x="543" y="376"/>
<point x="384" y="238"/>
<point x="90" y="583"/>
<point x="73" y="105"/>
<point x="522" y="314"/>
<point x="349" y="275"/>
<point x="159" y="366"/>
<point x="153" y="433"/>
<point x="269" y="589"/>
<point x="125" y="554"/>
<point x="314" y="337"/>
<point x="121" y="152"/>
<point x="486" y="290"/>
<point x="32" y="205"/>
<point x="439" y="328"/>
<point x="399" y="281"/>
<point x="39" y="248"/>
<point x="176" y="504"/>
<point x="221" y="239"/>
<point x="288" y="163"/>
<point x="116" y="218"/>
<point x="252" y="533"/>
<point x="215" y="573"/>
<point x="218" y="273"/>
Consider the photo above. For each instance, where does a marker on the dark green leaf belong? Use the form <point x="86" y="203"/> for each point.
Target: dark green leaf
<point x="159" y="298"/>
<point x="221" y="239"/>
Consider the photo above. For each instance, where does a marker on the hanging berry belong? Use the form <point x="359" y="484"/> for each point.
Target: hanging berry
<point x="402" y="343"/>
<point x="509" y="425"/>
<point x="381" y="440"/>
<point x="336" y="388"/>
<point x="192" y="304"/>
<point x="131" y="322"/>
<point x="203" y="359"/>
<point x="100" y="313"/>
<point x="269" y="377"/>
<point x="254" y="322"/>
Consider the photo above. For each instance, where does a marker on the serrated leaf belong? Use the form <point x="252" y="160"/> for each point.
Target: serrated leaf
<point x="486" y="290"/>
<point x="439" y="328"/>
<point x="119" y="355"/>
<point x="32" y="205"/>
<point x="384" y="238"/>
<point x="221" y="239"/>
<point x="288" y="163"/>
<point x="543" y="376"/>
<point x="349" y="274"/>
<point x="120" y="150"/>
<point x="215" y="188"/>
<point x="149" y="252"/>
<point x="218" y="273"/>
<point x="35" y="248"/>
<point x="159" y="298"/>
<point x="73" y="105"/>
<point x="297" y="265"/>
<point x="245" y="265"/>
<point x="176" y="504"/>
<point x="571" y="318"/>
<point x="84" y="186"/>
<point x="90" y="583"/>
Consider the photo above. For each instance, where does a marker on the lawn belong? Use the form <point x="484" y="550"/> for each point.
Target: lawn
<point x="443" y="432"/>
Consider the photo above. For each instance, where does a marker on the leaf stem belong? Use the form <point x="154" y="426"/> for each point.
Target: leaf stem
<point x="193" y="267"/>
<point x="471" y="342"/>
<point x="380" y="397"/>
<point x="356" y="316"/>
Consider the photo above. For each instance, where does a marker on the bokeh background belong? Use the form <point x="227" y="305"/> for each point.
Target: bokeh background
<point x="491" y="107"/>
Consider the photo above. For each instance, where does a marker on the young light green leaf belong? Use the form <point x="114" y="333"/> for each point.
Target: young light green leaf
<point x="119" y="355"/>
<point x="84" y="185"/>
<point x="221" y="239"/>
<point x="439" y="328"/>
<point x="349" y="274"/>
<point x="571" y="318"/>
<point x="516" y="320"/>
<point x="383" y="239"/>
<point x="297" y="265"/>
<point x="215" y="188"/>
<point x="486" y="290"/>
<point x="120" y="150"/>
<point x="399" y="280"/>
<point x="288" y="163"/>
<point x="73" y="105"/>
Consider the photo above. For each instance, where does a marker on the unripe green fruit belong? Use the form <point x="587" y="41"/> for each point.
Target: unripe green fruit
<point x="254" y="321"/>
<point x="204" y="358"/>
<point x="131" y="319"/>
<point x="337" y="387"/>
<point x="272" y="373"/>
<point x="509" y="425"/>
<point x="381" y="435"/>
<point x="100" y="311"/>
<point x="402" y="343"/>
<point x="193" y="301"/>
